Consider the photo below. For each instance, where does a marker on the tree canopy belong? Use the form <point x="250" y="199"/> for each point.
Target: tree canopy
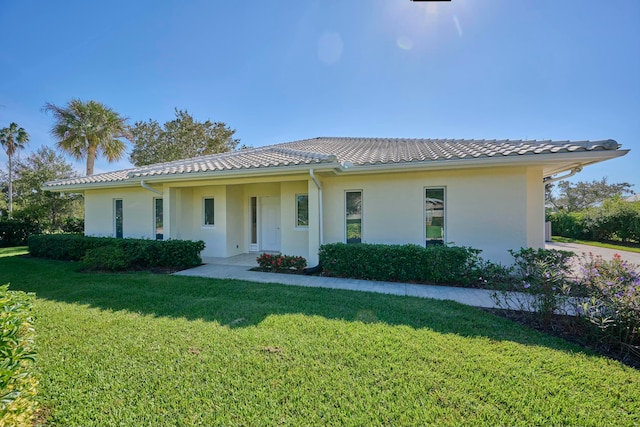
<point x="581" y="195"/>
<point x="87" y="129"/>
<point x="12" y="139"/>
<point x="46" y="208"/>
<point x="181" y="138"/>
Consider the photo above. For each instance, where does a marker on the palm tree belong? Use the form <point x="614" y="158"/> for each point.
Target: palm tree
<point x="12" y="138"/>
<point x="87" y="129"/>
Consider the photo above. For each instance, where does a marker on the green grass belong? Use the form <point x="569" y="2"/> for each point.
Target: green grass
<point x="143" y="349"/>
<point x="15" y="251"/>
<point x="619" y="247"/>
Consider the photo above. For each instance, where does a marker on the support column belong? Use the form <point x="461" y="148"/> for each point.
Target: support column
<point x="314" y="223"/>
<point x="169" y="225"/>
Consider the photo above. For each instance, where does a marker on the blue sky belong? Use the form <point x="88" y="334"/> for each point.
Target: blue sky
<point x="286" y="70"/>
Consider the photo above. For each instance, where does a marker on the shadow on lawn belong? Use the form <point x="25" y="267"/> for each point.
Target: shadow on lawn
<point x="239" y="304"/>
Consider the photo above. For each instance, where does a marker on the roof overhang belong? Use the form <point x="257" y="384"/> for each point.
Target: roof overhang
<point x="551" y="163"/>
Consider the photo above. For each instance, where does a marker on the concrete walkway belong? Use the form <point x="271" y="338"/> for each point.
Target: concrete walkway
<point x="238" y="267"/>
<point x="632" y="257"/>
<point x="229" y="269"/>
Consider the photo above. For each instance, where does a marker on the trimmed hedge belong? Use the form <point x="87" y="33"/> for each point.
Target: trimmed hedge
<point x="14" y="232"/>
<point x="615" y="219"/>
<point x="17" y="358"/>
<point x="140" y="253"/>
<point x="402" y="263"/>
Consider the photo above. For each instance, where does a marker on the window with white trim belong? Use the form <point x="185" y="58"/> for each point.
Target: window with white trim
<point x="302" y="210"/>
<point x="435" y="218"/>
<point x="353" y="216"/>
<point x="158" y="218"/>
<point x="118" y="218"/>
<point x="208" y="206"/>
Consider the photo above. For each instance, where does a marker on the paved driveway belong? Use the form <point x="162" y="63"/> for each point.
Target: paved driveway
<point x="632" y="257"/>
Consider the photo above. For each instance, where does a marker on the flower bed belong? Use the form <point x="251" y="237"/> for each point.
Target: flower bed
<point x="281" y="263"/>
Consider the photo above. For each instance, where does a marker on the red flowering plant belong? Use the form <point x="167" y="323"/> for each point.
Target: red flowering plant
<point x="281" y="263"/>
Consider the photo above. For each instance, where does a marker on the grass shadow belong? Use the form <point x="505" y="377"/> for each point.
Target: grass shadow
<point x="239" y="304"/>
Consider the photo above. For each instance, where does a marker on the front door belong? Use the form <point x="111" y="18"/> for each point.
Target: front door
<point x="270" y="223"/>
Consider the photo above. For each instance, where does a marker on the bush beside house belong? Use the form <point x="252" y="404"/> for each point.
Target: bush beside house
<point x="107" y="253"/>
<point x="439" y="264"/>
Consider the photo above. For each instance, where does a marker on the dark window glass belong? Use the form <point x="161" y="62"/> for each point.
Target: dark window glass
<point x="353" y="216"/>
<point x="208" y="212"/>
<point x="118" y="217"/>
<point x="302" y="210"/>
<point x="158" y="217"/>
<point x="254" y="220"/>
<point x="434" y="216"/>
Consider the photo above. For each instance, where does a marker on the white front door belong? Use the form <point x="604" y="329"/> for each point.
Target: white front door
<point x="270" y="223"/>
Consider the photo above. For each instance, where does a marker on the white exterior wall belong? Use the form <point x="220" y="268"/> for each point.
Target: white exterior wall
<point x="489" y="209"/>
<point x="214" y="236"/>
<point x="137" y="205"/>
<point x="295" y="240"/>
<point x="236" y="241"/>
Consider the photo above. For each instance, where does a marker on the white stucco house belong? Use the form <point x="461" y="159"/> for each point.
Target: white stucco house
<point x="295" y="196"/>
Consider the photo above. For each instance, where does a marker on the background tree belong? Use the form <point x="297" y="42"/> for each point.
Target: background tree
<point x="180" y="138"/>
<point x="48" y="209"/>
<point x="12" y="139"/>
<point x="580" y="195"/>
<point x="87" y="129"/>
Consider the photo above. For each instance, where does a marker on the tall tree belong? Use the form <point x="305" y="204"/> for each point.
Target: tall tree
<point x="49" y="209"/>
<point x="12" y="138"/>
<point x="87" y="129"/>
<point x="181" y="138"/>
<point x="581" y="195"/>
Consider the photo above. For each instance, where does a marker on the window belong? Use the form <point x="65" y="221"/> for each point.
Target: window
<point x="435" y="216"/>
<point x="353" y="216"/>
<point x="254" y="222"/>
<point x="302" y="210"/>
<point x="117" y="215"/>
<point x="208" y="211"/>
<point x="157" y="207"/>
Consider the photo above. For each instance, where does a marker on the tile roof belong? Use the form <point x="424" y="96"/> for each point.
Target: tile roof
<point x="357" y="151"/>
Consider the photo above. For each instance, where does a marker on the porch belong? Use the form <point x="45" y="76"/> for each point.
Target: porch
<point x="241" y="260"/>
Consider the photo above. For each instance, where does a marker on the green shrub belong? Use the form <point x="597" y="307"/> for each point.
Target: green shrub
<point x="109" y="258"/>
<point x="540" y="282"/>
<point x="613" y="304"/>
<point x="67" y="247"/>
<point x="15" y="232"/>
<point x="403" y="263"/>
<point x="281" y="263"/>
<point x="139" y="253"/>
<point x="615" y="219"/>
<point x="569" y="225"/>
<point x="17" y="357"/>
<point x="73" y="225"/>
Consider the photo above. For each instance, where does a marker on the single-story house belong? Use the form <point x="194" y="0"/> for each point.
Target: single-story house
<point x="293" y="197"/>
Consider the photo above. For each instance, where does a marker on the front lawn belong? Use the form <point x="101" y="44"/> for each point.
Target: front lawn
<point x="144" y="349"/>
